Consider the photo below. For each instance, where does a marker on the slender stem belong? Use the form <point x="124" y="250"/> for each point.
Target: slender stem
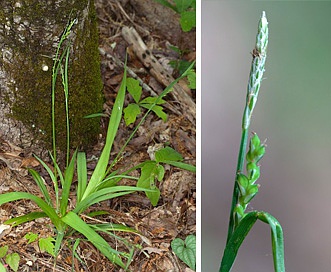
<point x="240" y="165"/>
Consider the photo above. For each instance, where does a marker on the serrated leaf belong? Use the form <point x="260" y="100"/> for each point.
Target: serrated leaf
<point x="186" y="251"/>
<point x="187" y="20"/>
<point x="13" y="261"/>
<point x="47" y="244"/>
<point x="134" y="88"/>
<point x="31" y="237"/>
<point x="167" y="154"/>
<point x="130" y="113"/>
<point x="3" y="251"/>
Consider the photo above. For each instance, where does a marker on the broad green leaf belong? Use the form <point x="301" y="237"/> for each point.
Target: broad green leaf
<point x="149" y="172"/>
<point x="167" y="154"/>
<point x="74" y="221"/>
<point x="3" y="251"/>
<point x="186" y="251"/>
<point x="47" y="244"/>
<point x="31" y="237"/>
<point x="130" y="113"/>
<point x="187" y="20"/>
<point x="13" y="261"/>
<point x="134" y="88"/>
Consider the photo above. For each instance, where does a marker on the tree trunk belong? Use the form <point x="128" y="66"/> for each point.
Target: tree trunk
<point x="29" y="35"/>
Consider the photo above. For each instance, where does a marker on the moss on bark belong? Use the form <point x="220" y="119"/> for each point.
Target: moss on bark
<point x="31" y="29"/>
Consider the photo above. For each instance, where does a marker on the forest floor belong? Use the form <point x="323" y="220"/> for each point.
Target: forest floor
<point x="175" y="214"/>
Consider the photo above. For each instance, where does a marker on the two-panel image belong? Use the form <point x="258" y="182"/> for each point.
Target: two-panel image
<point x="165" y="135"/>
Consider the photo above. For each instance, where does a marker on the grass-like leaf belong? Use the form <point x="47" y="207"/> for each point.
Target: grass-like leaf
<point x="68" y="176"/>
<point x="115" y="118"/>
<point x="25" y="218"/>
<point x="41" y="184"/>
<point x="239" y="235"/>
<point x="8" y="197"/>
<point x="74" y="221"/>
<point x="81" y="175"/>
<point x="106" y="194"/>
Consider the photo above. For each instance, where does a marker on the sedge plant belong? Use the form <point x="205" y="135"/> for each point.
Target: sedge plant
<point x="101" y="185"/>
<point x="245" y="187"/>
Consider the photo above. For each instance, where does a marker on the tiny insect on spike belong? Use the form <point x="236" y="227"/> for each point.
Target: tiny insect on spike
<point x="256" y="53"/>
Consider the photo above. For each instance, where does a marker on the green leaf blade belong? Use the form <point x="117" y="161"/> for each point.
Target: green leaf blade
<point x="81" y="175"/>
<point x="100" y="170"/>
<point x="167" y="154"/>
<point x="47" y="245"/>
<point x="134" y="88"/>
<point x="130" y="113"/>
<point x="8" y="197"/>
<point x="240" y="233"/>
<point x="187" y="20"/>
<point x="74" y="221"/>
<point x="13" y="260"/>
<point x="149" y="172"/>
<point x="186" y="251"/>
<point x="3" y="251"/>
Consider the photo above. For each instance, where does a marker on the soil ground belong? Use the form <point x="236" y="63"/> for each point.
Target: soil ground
<point x="174" y="216"/>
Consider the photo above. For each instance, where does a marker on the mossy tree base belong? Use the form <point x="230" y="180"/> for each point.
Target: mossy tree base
<point x="29" y="36"/>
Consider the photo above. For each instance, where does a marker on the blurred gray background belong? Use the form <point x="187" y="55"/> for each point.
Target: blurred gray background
<point x="293" y="112"/>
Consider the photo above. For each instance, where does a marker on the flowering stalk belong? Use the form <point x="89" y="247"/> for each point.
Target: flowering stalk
<point x="255" y="78"/>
